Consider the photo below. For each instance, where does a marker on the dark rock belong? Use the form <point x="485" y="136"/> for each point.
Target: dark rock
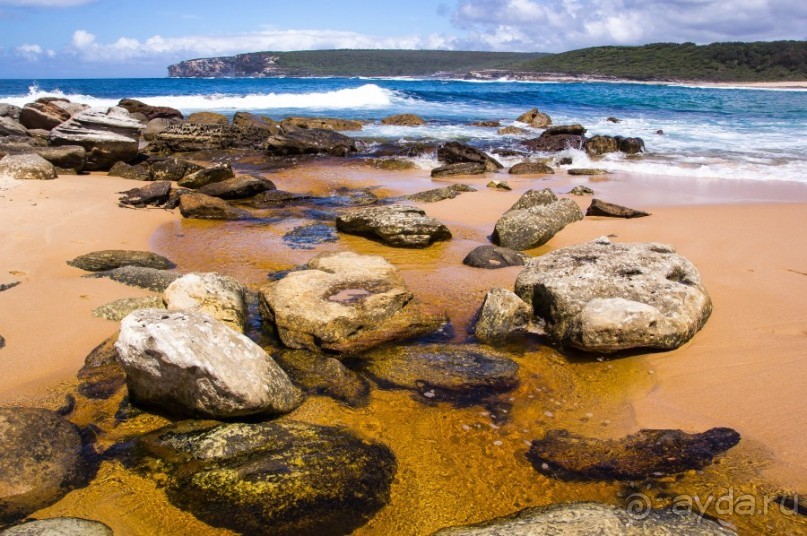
<point x="592" y="519"/>
<point x="204" y="207"/>
<point x="101" y="376"/>
<point x="439" y="194"/>
<point x="581" y="190"/>
<point x="140" y="172"/>
<point x="660" y="132"/>
<point x="535" y="119"/>
<point x="598" y="145"/>
<point x="613" y="120"/>
<point x="587" y="171"/>
<point x="65" y="157"/>
<point x="310" y="141"/>
<point x="565" y="161"/>
<point x="10" y="127"/>
<point x="207" y="118"/>
<point x="294" y="477"/>
<point x="319" y="374"/>
<point x="6" y="286"/>
<point x="487" y="124"/>
<point x="602" y="208"/>
<point x="404" y="120"/>
<point x="189" y="137"/>
<point x="604" y="297"/>
<point x="107" y="137"/>
<point x="555" y="143"/>
<point x="646" y="454"/>
<point x="461" y="168"/>
<point x="151" y="112"/>
<point x="291" y="124"/>
<point x="137" y="276"/>
<point x="531" y="168"/>
<point x="534" y="220"/>
<point x="172" y="169"/>
<point x="794" y="503"/>
<point x="575" y="129"/>
<point x="40" y="462"/>
<point x="46" y="116"/>
<point x="99" y="261"/>
<point x="27" y="167"/>
<point x="502" y="315"/>
<point x="630" y="145"/>
<point x="459" y="373"/>
<point x="395" y="225"/>
<point x="245" y="119"/>
<point x="493" y="257"/>
<point x="205" y="176"/>
<point x="307" y="236"/>
<point x="59" y="526"/>
<point x="2" y="342"/>
<point x="155" y="194"/>
<point x="238" y="187"/>
<point x="457" y="153"/>
<point x="275" y="199"/>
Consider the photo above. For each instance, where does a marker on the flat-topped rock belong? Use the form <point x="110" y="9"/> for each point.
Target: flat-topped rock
<point x="220" y="296"/>
<point x="26" y="167"/>
<point x="42" y="115"/>
<point x="531" y="168"/>
<point x="395" y="225"/>
<point x="203" y="177"/>
<point x="310" y="141"/>
<point x="199" y="206"/>
<point x="107" y="137"/>
<point x="238" y="187"/>
<point x="59" y="526"/>
<point x="440" y="194"/>
<point x="108" y="259"/>
<point x="404" y="120"/>
<point x="327" y="123"/>
<point x="138" y="276"/>
<point x="459" y="168"/>
<point x="599" y="207"/>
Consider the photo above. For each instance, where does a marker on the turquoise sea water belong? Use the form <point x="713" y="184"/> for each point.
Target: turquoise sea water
<point x="734" y="133"/>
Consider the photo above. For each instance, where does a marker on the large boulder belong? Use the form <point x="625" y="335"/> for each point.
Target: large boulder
<point x="644" y="455"/>
<point x="599" y="145"/>
<point x="606" y="297"/>
<point x="494" y="257"/>
<point x="59" y="526"/>
<point x="42" y="115"/>
<point x="463" y="374"/>
<point x="531" y="224"/>
<point x="630" y="145"/>
<point x="40" y="460"/>
<point x="503" y="315"/>
<point x="11" y="127"/>
<point x="27" y="167"/>
<point x="238" y="187"/>
<point x="246" y="119"/>
<point x="326" y="123"/>
<point x="455" y="152"/>
<point x="535" y="118"/>
<point x="395" y="225"/>
<point x="151" y="112"/>
<point x="310" y="141"/>
<point x="593" y="519"/>
<point x="198" y="206"/>
<point x="558" y="138"/>
<point x="139" y="172"/>
<point x="207" y="118"/>
<point x="205" y="176"/>
<point x="285" y="478"/>
<point x="155" y="194"/>
<point x="344" y="303"/>
<point x="188" y="137"/>
<point x="403" y="120"/>
<point x="108" y="259"/>
<point x="188" y="363"/>
<point x="68" y="157"/>
<point x="107" y="137"/>
<point x="220" y="296"/>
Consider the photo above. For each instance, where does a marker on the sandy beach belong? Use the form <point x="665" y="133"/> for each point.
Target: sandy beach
<point x="745" y="370"/>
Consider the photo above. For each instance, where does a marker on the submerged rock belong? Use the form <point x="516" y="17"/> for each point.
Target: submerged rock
<point x="512" y="131"/>
<point x="493" y="257"/>
<point x="605" y="297"/>
<point x="440" y="194"/>
<point x="344" y="303"/>
<point x="322" y="375"/>
<point x="599" y="145"/>
<point x="603" y="208"/>
<point x="40" y="460"/>
<point x="460" y="373"/>
<point x="534" y="220"/>
<point x="645" y="454"/>
<point x="217" y="295"/>
<point x="101" y="376"/>
<point x="558" y="138"/>
<point x="188" y="363"/>
<point x="503" y="315"/>
<point x="395" y="225"/>
<point x="108" y="259"/>
<point x="119" y="309"/>
<point x="307" y="236"/>
<point x="138" y="276"/>
<point x="592" y="519"/>
<point x="59" y="526"/>
<point x="287" y="477"/>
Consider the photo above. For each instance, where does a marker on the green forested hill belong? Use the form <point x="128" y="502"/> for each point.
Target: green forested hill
<point x="730" y="62"/>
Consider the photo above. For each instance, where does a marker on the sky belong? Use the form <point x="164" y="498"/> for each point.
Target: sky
<point x="116" y="38"/>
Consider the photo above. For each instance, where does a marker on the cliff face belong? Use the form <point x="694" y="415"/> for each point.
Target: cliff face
<point x="259" y="64"/>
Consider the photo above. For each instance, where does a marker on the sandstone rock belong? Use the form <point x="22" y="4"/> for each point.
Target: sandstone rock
<point x="581" y="190"/>
<point x="117" y="310"/>
<point x="598" y="145"/>
<point x="395" y="225"/>
<point x="246" y="119"/>
<point x="64" y="157"/>
<point x="238" y="187"/>
<point x="204" y="207"/>
<point x="207" y="118"/>
<point x="307" y="236"/>
<point x="10" y="111"/>
<point x="188" y="137"/>
<point x="11" y="127"/>
<point x="392" y="164"/>
<point x="172" y="169"/>
<point x="291" y="124"/>
<point x="404" y="120"/>
<point x="535" y="198"/>
<point x="644" y="455"/>
<point x="528" y="225"/>
<point x="138" y="276"/>
<point x="499" y="185"/>
<point x="465" y="374"/>
<point x="188" y="363"/>
<point x="457" y="153"/>
<point x="292" y="477"/>
<point x="602" y="208"/>
<point x="322" y="375"/>
<point x="155" y="194"/>
<point x="503" y="314"/>
<point x="531" y="168"/>
<point x="587" y="171"/>
<point x="59" y="526"/>
<point x="487" y="124"/>
<point x="310" y="141"/>
<point x="512" y="131"/>
<point x="46" y="116"/>
<point x="101" y="376"/>
<point x="109" y="259"/>
<point x="157" y="125"/>
<point x="345" y="303"/>
<point x="592" y="519"/>
<point x="107" y="137"/>
<point x="205" y="176"/>
<point x="219" y="296"/>
<point x="439" y="194"/>
<point x="493" y="257"/>
<point x="151" y="112"/>
<point x="604" y="297"/>
<point x="140" y="172"/>
<point x="26" y="167"/>
<point x="461" y="168"/>
<point x="535" y="119"/>
<point x="40" y="462"/>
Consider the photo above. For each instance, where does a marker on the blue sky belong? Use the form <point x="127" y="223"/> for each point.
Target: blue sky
<point x="116" y="38"/>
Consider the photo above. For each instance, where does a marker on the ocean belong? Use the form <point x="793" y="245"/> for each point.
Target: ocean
<point x="708" y="132"/>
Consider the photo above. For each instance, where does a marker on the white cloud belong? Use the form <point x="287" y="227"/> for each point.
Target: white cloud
<point x="33" y="52"/>
<point x="45" y="3"/>
<point x="557" y="25"/>
<point x="86" y="46"/>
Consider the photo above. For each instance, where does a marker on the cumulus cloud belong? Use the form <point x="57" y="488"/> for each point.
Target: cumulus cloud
<point x="557" y="25"/>
<point x="86" y="46"/>
<point x="45" y="3"/>
<point x="32" y="52"/>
